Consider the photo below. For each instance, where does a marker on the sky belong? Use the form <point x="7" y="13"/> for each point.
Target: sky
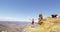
<point x="24" y="10"/>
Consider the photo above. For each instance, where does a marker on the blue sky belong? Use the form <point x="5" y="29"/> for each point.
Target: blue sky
<point x="26" y="9"/>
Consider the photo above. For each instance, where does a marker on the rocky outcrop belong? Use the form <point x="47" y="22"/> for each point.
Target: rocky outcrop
<point x="49" y="24"/>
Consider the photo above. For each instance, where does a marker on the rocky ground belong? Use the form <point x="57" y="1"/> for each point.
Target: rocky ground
<point x="47" y="26"/>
